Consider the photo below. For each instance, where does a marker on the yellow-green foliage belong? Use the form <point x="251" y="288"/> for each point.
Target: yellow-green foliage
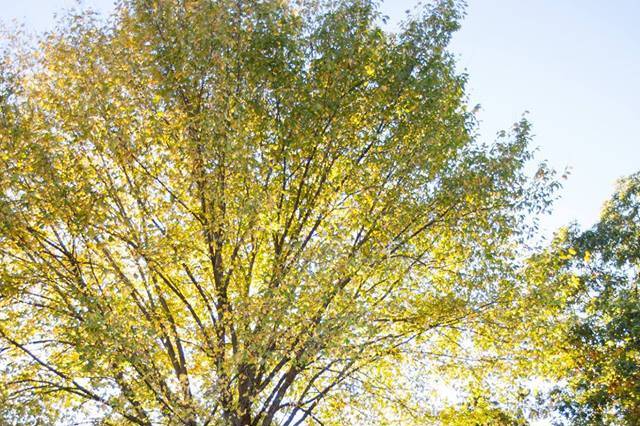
<point x="248" y="212"/>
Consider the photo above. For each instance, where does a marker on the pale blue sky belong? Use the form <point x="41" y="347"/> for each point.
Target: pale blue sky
<point x="573" y="64"/>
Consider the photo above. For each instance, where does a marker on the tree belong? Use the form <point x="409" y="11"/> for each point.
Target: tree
<point x="247" y="213"/>
<point x="602" y="330"/>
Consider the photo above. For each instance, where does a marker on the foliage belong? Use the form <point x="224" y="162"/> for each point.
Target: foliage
<point x="603" y="338"/>
<point x="249" y="213"/>
<point x="480" y="410"/>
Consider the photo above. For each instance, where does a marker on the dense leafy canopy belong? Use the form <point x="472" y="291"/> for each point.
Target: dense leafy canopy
<point x="603" y="330"/>
<point x="259" y="212"/>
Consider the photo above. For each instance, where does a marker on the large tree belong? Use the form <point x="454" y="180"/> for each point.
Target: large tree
<point x="248" y="213"/>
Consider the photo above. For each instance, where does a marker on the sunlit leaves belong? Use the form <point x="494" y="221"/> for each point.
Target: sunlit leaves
<point x="244" y="212"/>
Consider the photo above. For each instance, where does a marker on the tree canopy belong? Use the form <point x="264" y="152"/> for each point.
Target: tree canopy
<point x="255" y="213"/>
<point x="602" y="316"/>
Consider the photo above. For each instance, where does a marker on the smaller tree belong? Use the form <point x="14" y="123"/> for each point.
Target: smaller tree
<point x="602" y="331"/>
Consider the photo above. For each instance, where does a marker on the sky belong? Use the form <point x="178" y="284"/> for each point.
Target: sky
<point x="574" y="65"/>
